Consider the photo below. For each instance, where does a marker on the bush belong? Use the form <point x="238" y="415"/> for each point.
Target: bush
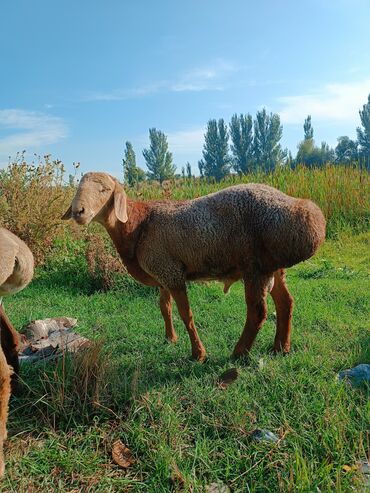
<point x="33" y="198"/>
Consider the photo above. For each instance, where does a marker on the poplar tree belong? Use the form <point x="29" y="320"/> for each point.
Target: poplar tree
<point x="188" y="170"/>
<point x="158" y="158"/>
<point x="307" y="128"/>
<point x="308" y="153"/>
<point x="241" y="133"/>
<point x="267" y="135"/>
<point x="363" y="134"/>
<point x="131" y="172"/>
<point x="216" y="160"/>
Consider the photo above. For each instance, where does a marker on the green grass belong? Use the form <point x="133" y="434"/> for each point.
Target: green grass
<point x="168" y="409"/>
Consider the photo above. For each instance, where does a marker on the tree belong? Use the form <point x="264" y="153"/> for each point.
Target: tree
<point x="201" y="168"/>
<point x="346" y="150"/>
<point x="188" y="170"/>
<point x="267" y="135"/>
<point x="216" y="159"/>
<point x="313" y="156"/>
<point x="307" y="127"/>
<point x="158" y="158"/>
<point x="289" y="159"/>
<point x="241" y="133"/>
<point x="308" y="153"/>
<point x="327" y="153"/>
<point x="363" y="134"/>
<point x="132" y="173"/>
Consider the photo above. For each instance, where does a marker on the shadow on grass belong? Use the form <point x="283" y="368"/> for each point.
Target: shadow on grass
<point x="78" y="389"/>
<point x="80" y="282"/>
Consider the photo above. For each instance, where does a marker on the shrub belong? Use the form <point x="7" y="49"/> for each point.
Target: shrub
<point x="32" y="200"/>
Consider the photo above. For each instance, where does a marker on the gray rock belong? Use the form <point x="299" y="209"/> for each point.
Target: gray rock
<point x="357" y="376"/>
<point x="49" y="338"/>
<point x="41" y="329"/>
<point x="261" y="435"/>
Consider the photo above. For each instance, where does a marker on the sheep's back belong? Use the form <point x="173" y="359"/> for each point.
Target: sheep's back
<point x="237" y="227"/>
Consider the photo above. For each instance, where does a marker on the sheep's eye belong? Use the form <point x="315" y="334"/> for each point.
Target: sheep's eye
<point x="102" y="189"/>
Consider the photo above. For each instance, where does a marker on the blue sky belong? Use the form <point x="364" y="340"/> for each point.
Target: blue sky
<point x="79" y="78"/>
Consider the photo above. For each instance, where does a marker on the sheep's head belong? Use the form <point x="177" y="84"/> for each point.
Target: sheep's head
<point x="96" y="193"/>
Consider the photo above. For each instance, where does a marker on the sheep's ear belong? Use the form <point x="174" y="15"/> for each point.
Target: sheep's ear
<point x="120" y="205"/>
<point x="68" y="214"/>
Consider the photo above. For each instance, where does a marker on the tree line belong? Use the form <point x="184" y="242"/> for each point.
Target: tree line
<point x="245" y="145"/>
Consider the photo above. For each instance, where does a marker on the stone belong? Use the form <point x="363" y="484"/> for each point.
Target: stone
<point x="49" y="338"/>
<point x="357" y="376"/>
<point x="40" y="329"/>
<point x="261" y="435"/>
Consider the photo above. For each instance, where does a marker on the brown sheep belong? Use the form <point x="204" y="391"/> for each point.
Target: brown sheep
<point x="250" y="232"/>
<point x="16" y="271"/>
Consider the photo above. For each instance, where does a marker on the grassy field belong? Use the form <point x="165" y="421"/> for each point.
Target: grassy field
<point x="185" y="432"/>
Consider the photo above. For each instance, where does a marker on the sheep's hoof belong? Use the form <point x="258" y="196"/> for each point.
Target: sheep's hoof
<point x="278" y="349"/>
<point x="171" y="340"/>
<point x="200" y="357"/>
<point x="240" y="351"/>
<point x="240" y="356"/>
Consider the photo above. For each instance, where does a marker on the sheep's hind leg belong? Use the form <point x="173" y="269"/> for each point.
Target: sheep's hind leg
<point x="5" y="374"/>
<point x="165" y="302"/>
<point x="10" y="344"/>
<point x="255" y="297"/>
<point x="182" y="302"/>
<point x="284" y="309"/>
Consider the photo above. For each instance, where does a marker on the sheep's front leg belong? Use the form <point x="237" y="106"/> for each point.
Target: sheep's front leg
<point x="10" y="344"/>
<point x="165" y="302"/>
<point x="284" y="309"/>
<point x="181" y="298"/>
<point x="255" y="297"/>
<point x="5" y="374"/>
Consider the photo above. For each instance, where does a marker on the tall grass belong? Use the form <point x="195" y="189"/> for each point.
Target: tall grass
<point x="33" y="196"/>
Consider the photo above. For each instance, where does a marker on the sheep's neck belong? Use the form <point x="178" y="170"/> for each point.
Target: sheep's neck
<point x="126" y="235"/>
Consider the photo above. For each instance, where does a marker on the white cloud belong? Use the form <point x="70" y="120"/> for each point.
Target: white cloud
<point x="210" y="77"/>
<point x="28" y="130"/>
<point x="190" y="141"/>
<point x="333" y="102"/>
